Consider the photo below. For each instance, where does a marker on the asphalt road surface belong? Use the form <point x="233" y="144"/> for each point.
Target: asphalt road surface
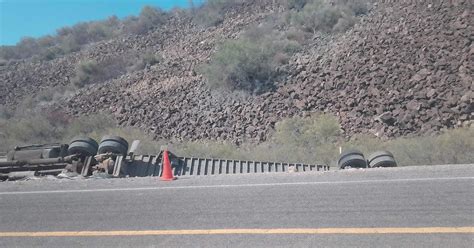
<point x="425" y="206"/>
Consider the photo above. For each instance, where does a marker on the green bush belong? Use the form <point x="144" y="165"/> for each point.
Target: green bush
<point x="86" y="72"/>
<point x="212" y="12"/>
<point x="68" y="44"/>
<point x="308" y="131"/>
<point x="313" y="140"/>
<point x="147" y="58"/>
<point x="56" y="126"/>
<point x="300" y="140"/>
<point x="450" y="147"/>
<point x="91" y="72"/>
<point x="5" y="113"/>
<point x="296" y="4"/>
<point x="323" y="16"/>
<point x="20" y="131"/>
<point x="317" y="140"/>
<point x="149" y="17"/>
<point x="72" y="39"/>
<point x="206" y="148"/>
<point x="49" y="127"/>
<point x="7" y="53"/>
<point x="249" y="63"/>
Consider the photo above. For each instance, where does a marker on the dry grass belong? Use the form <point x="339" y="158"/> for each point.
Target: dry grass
<point x="304" y="140"/>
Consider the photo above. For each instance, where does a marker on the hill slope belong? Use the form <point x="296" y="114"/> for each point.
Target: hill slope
<point x="405" y="69"/>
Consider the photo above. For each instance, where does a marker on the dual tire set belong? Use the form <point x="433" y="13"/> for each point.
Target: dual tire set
<point x="114" y="144"/>
<point x="356" y="159"/>
<point x="89" y="147"/>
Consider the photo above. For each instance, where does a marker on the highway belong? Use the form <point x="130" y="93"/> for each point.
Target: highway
<point x="419" y="206"/>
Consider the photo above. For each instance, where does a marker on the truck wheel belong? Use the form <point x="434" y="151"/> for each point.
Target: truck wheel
<point x="83" y="146"/>
<point x="381" y="159"/>
<point x="113" y="144"/>
<point x="353" y="159"/>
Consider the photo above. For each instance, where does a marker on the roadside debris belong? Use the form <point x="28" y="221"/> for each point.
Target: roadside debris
<point x="84" y="157"/>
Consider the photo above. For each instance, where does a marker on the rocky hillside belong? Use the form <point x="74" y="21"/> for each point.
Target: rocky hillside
<point x="404" y="69"/>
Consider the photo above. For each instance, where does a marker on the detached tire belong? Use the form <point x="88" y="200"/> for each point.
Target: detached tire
<point x="113" y="144"/>
<point x="381" y="159"/>
<point x="353" y="159"/>
<point x="83" y="146"/>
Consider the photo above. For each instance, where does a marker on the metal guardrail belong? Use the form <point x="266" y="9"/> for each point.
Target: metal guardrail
<point x="150" y="165"/>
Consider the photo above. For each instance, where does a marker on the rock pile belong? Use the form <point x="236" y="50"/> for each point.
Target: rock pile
<point x="405" y="69"/>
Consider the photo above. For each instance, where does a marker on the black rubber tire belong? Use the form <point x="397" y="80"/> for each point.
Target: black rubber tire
<point x="381" y="159"/>
<point x="352" y="158"/>
<point x="113" y="144"/>
<point x="83" y="146"/>
<point x="350" y="151"/>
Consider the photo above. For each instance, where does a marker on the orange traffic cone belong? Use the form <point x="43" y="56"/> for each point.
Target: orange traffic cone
<point x="167" y="174"/>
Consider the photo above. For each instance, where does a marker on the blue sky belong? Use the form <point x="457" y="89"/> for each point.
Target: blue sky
<point x="35" y="18"/>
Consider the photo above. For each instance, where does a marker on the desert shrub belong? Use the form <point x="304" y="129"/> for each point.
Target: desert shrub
<point x="114" y="67"/>
<point x="324" y="16"/>
<point x="48" y="49"/>
<point x="52" y="126"/>
<point x="147" y="144"/>
<point x="68" y="44"/>
<point x="308" y="131"/>
<point x="358" y="7"/>
<point x="212" y="12"/>
<point x="296" y="4"/>
<point x="91" y="72"/>
<point x="249" y="63"/>
<point x="317" y="140"/>
<point x="7" y="53"/>
<point x="207" y="148"/>
<point x="46" y="95"/>
<point x="98" y="31"/>
<point x="86" y="72"/>
<point x="240" y="64"/>
<point x="147" y="58"/>
<point x="309" y="139"/>
<point x="149" y="17"/>
<point x="299" y="140"/>
<point x="132" y="25"/>
<point x="72" y="39"/>
<point x="287" y="145"/>
<point x="450" y="147"/>
<point x="150" y="58"/>
<point x="314" y="139"/>
<point x="93" y="126"/>
<point x="27" y="47"/>
<point x="49" y="126"/>
<point x="5" y="113"/>
<point x="296" y="35"/>
<point x="34" y="129"/>
<point x="50" y="53"/>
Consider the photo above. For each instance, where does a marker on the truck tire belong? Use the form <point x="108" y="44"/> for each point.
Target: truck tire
<point x="113" y="144"/>
<point x="83" y="146"/>
<point x="381" y="159"/>
<point x="352" y="158"/>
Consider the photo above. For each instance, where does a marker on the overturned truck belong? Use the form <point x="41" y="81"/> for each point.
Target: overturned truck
<point x="113" y="157"/>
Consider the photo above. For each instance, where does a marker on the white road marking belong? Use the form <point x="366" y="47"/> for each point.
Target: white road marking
<point x="239" y="185"/>
<point x="344" y="230"/>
